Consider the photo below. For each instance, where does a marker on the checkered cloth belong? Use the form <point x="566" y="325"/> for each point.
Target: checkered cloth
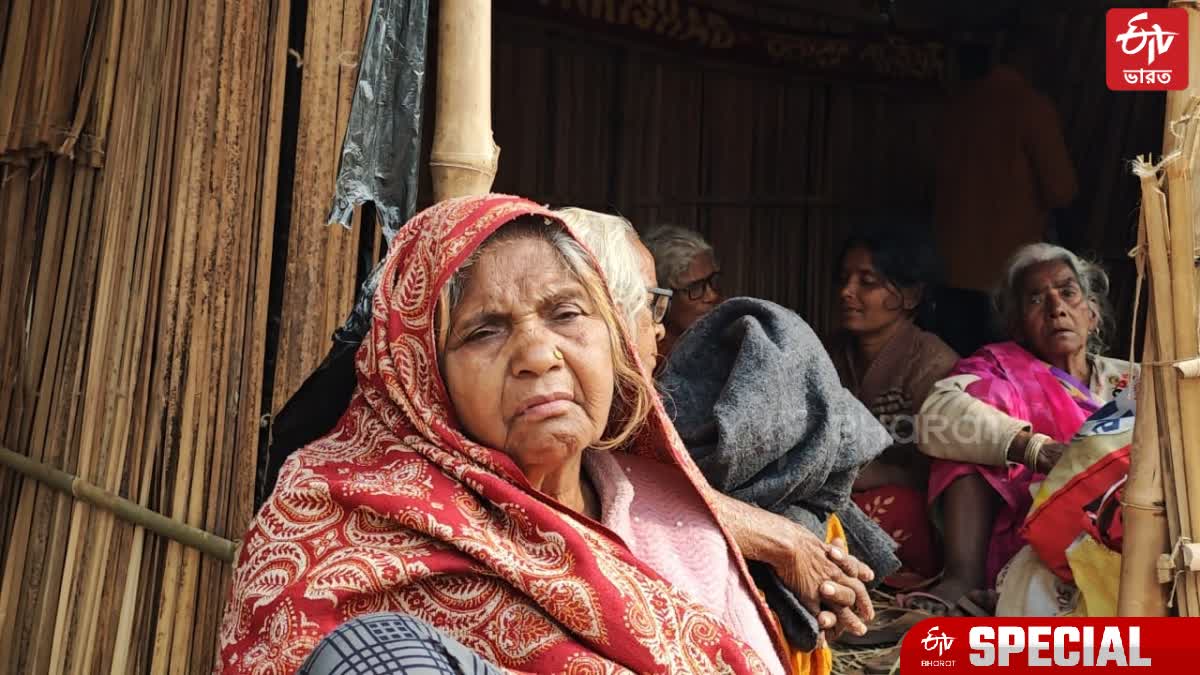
<point x="385" y="643"/>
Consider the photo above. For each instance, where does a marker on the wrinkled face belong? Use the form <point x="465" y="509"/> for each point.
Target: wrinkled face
<point x="868" y="303"/>
<point x="528" y="363"/>
<point x="1055" y="318"/>
<point x="648" y="332"/>
<point x="686" y="310"/>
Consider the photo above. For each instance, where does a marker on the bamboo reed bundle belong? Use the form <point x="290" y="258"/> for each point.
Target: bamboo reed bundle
<point x="1155" y="213"/>
<point x="36" y="119"/>
<point x="1166" y="246"/>
<point x="464" y="157"/>
<point x="1157" y="475"/>
<point x="1169" y="245"/>
<point x="143" y="263"/>
<point x="319" y="279"/>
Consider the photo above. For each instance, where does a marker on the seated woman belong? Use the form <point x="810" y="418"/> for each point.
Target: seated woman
<point x="504" y="474"/>
<point x="687" y="265"/>
<point x="999" y="422"/>
<point x="890" y="364"/>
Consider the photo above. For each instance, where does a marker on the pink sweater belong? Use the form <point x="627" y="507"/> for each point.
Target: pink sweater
<point x="666" y="524"/>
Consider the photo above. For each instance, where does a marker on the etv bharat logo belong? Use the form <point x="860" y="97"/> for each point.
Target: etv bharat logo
<point x="941" y="643"/>
<point x="1147" y="49"/>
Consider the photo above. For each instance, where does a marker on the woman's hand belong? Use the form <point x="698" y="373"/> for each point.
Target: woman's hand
<point x="894" y="410"/>
<point x="1049" y="455"/>
<point x="829" y="582"/>
<point x="827" y="579"/>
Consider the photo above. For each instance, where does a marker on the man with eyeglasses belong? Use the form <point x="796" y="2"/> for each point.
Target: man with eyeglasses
<point x="686" y="264"/>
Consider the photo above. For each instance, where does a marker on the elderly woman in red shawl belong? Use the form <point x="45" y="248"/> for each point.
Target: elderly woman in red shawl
<point x="505" y="473"/>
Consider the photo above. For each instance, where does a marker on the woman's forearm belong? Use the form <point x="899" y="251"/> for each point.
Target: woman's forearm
<point x="760" y="534"/>
<point x="956" y="426"/>
<point x="827" y="580"/>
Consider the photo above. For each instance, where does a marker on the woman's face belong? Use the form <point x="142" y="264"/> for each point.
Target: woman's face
<point x="1055" y="317"/>
<point x="687" y="310"/>
<point x="527" y="362"/>
<point x="868" y="303"/>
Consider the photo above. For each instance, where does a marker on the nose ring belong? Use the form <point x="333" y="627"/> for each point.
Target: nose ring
<point x="558" y="354"/>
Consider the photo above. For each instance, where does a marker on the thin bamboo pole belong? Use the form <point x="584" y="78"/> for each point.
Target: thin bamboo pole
<point x="1144" y="514"/>
<point x="1144" y="509"/>
<point x="464" y="157"/>
<point x="205" y="542"/>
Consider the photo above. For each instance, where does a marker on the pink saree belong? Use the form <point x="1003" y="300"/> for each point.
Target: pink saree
<point x="1023" y="386"/>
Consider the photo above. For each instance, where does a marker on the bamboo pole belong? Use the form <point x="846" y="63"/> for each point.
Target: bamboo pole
<point x="464" y="156"/>
<point x="205" y="542"/>
<point x="1179" y="291"/>
<point x="1144" y="514"/>
<point x="1140" y="592"/>
<point x="1182" y="185"/>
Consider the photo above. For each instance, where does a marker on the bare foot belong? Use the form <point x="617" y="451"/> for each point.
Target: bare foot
<point x="951" y="589"/>
<point x="945" y="599"/>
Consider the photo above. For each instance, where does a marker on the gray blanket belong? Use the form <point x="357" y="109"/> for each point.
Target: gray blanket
<point x="760" y="407"/>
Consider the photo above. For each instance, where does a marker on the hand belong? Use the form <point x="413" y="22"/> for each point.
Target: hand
<point x="828" y="581"/>
<point x="836" y="619"/>
<point x="803" y="561"/>
<point x="839" y="552"/>
<point x="1049" y="455"/>
<point x="893" y="409"/>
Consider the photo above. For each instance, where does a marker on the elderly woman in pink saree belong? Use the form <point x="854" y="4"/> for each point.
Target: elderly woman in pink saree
<point x="1001" y="419"/>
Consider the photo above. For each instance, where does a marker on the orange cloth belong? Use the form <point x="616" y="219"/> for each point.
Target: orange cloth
<point x="1003" y="165"/>
<point x="820" y="660"/>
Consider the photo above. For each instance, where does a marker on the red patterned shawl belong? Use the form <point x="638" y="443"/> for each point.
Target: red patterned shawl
<point x="396" y="510"/>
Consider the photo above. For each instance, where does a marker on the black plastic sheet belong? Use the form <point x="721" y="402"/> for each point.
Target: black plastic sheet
<point x="381" y="152"/>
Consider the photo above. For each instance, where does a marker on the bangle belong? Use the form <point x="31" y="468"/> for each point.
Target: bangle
<point x="1033" y="448"/>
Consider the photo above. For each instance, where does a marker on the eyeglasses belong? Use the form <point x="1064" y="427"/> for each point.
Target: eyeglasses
<point x="659" y="302"/>
<point x="697" y="288"/>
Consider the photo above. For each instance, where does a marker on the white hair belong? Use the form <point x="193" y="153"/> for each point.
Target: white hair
<point x="1092" y="278"/>
<point x="674" y="248"/>
<point x="610" y="239"/>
